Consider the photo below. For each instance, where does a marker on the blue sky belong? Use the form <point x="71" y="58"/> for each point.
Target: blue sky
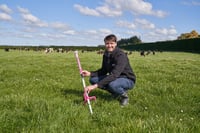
<point x="87" y="22"/>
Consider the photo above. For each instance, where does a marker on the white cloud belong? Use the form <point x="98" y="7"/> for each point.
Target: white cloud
<point x="31" y="19"/>
<point x="126" y="24"/>
<point x="23" y="10"/>
<point x="191" y="3"/>
<point x="5" y="14"/>
<point x="159" y="13"/>
<point x="162" y="31"/>
<point x="147" y="30"/>
<point x="132" y="33"/>
<point x="29" y="30"/>
<point x="165" y="31"/>
<point x="134" y="6"/>
<point x="86" y="10"/>
<point x="69" y="32"/>
<point x="138" y="7"/>
<point x="144" y="24"/>
<point x="196" y="3"/>
<point x="60" y="32"/>
<point x="27" y="36"/>
<point x="161" y="34"/>
<point x="49" y="36"/>
<point x="62" y="27"/>
<point x="95" y="35"/>
<point x="92" y="31"/>
<point x="172" y="31"/>
<point x="59" y="25"/>
<point x="5" y="8"/>
<point x="108" y="11"/>
<point x="105" y="31"/>
<point x="6" y="17"/>
<point x="113" y="8"/>
<point x="136" y="24"/>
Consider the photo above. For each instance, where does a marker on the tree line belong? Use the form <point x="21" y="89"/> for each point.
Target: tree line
<point x="136" y="40"/>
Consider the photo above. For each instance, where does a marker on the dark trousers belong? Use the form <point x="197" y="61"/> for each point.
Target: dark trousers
<point x="116" y="87"/>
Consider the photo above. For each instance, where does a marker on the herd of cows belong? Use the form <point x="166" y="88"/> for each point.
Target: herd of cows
<point x="61" y="50"/>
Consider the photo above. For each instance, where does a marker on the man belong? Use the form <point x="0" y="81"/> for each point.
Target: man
<point x="116" y="75"/>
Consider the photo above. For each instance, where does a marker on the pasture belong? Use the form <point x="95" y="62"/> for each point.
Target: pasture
<point x="43" y="93"/>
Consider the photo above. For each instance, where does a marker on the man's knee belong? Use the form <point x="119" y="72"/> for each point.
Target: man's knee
<point x="112" y="85"/>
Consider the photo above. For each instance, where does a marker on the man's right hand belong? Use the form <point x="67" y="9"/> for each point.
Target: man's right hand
<point x="85" y="73"/>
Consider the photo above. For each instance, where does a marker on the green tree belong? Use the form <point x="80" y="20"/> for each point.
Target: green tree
<point x="129" y="41"/>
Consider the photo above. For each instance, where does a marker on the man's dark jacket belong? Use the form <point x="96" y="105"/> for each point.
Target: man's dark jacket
<point x="115" y="65"/>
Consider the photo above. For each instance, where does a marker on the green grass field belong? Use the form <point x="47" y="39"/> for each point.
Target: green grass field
<point x="43" y="93"/>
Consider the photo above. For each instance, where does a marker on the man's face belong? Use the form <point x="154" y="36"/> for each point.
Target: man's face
<point x="110" y="45"/>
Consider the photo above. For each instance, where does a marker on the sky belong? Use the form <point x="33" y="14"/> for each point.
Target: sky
<point x="87" y="22"/>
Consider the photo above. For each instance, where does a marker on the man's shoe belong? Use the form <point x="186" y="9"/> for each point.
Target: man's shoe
<point x="124" y="99"/>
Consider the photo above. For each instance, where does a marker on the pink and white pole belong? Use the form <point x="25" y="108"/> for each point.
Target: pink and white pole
<point x="85" y="94"/>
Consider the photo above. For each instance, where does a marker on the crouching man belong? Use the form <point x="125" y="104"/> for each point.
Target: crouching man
<point x="115" y="75"/>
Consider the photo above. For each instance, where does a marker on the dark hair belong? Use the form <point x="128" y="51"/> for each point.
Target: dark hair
<point x="110" y="37"/>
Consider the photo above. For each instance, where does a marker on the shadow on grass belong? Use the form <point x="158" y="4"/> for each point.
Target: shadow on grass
<point x="104" y="95"/>
<point x="72" y="94"/>
<point x="66" y="92"/>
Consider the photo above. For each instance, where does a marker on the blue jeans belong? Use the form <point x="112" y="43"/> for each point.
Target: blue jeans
<point x="116" y="87"/>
